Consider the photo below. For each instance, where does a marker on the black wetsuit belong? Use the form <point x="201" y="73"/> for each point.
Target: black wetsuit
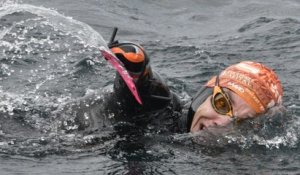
<point x="161" y="109"/>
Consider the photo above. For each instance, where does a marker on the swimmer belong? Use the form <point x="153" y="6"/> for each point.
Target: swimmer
<point x="242" y="91"/>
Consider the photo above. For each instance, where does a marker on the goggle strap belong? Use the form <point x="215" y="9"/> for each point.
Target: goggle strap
<point x="217" y="80"/>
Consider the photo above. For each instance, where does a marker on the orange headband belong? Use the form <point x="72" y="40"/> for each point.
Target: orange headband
<point x="258" y="85"/>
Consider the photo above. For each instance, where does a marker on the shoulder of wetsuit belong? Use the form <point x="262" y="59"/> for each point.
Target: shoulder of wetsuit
<point x="160" y="86"/>
<point x="197" y="100"/>
<point x="155" y="92"/>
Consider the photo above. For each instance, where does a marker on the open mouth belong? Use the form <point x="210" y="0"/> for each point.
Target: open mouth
<point x="201" y="127"/>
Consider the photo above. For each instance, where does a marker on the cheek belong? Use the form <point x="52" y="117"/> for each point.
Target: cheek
<point x="223" y="120"/>
<point x="244" y="111"/>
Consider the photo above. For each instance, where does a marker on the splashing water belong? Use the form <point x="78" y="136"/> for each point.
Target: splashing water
<point x="45" y="58"/>
<point x="49" y="66"/>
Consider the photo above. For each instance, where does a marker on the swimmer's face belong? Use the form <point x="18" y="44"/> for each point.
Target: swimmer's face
<point x="206" y="116"/>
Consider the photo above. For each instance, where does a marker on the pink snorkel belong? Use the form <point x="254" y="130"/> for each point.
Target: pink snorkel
<point x="118" y="65"/>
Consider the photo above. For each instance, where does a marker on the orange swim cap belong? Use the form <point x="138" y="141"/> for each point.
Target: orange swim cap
<point x="258" y="85"/>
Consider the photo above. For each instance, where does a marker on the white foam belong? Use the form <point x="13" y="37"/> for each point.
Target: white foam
<point x="59" y="22"/>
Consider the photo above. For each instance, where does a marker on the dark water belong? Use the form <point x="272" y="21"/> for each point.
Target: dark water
<point x="49" y="62"/>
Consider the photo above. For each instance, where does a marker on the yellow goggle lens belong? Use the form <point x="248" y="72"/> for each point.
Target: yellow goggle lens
<point x="221" y="104"/>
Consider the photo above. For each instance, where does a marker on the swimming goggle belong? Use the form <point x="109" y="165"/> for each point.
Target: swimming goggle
<point x="220" y="100"/>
